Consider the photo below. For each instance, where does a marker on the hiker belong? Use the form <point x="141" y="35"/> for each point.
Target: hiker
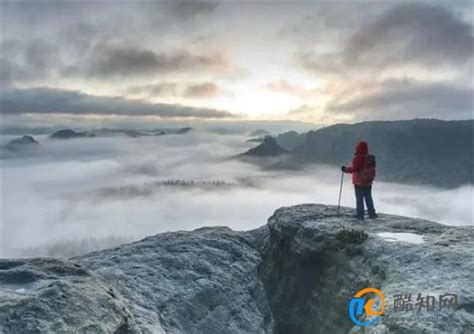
<point x="363" y="174"/>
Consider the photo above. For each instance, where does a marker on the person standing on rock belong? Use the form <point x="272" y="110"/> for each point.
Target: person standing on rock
<point x="363" y="174"/>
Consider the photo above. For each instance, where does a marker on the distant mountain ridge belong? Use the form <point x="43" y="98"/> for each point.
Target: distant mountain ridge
<point x="68" y="134"/>
<point x="420" y="151"/>
<point x="106" y="132"/>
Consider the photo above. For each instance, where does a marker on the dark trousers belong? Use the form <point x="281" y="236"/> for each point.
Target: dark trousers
<point x="361" y="193"/>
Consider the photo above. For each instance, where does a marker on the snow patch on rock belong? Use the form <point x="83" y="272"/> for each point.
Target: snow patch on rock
<point x="402" y="237"/>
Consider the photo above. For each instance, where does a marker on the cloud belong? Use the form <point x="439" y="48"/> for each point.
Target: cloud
<point x="195" y="42"/>
<point x="302" y="110"/>
<point x="283" y="86"/>
<point x="413" y="32"/>
<point x="326" y="23"/>
<point x="397" y="99"/>
<point x="317" y="115"/>
<point x="429" y="44"/>
<point x="161" y="89"/>
<point x="59" y="101"/>
<point x="79" y="37"/>
<point x="207" y="89"/>
<point x="191" y="9"/>
<point x="55" y="189"/>
<point x="326" y="63"/>
<point x="119" y="60"/>
<point x="306" y="112"/>
<point x="409" y="34"/>
<point x="175" y="89"/>
<point x="33" y="60"/>
<point x="5" y="74"/>
<point x="40" y="56"/>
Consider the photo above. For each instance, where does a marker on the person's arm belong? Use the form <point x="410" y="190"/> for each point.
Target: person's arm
<point x="356" y="165"/>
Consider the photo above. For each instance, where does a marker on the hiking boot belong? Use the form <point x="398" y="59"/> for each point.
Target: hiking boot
<point x="374" y="216"/>
<point x="358" y="218"/>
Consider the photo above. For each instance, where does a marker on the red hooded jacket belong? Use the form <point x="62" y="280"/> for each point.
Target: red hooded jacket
<point x="362" y="150"/>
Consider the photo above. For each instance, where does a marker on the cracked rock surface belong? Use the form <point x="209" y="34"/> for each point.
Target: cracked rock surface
<point x="295" y="274"/>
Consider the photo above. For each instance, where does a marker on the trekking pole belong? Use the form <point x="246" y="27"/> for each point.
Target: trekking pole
<point x="340" y="192"/>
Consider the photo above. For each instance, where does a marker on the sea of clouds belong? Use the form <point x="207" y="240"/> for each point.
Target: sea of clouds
<point x="74" y="196"/>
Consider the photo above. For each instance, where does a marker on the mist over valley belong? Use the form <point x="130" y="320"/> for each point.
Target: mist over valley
<point x="93" y="192"/>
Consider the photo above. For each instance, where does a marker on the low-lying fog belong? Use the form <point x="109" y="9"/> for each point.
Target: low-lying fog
<point x="82" y="194"/>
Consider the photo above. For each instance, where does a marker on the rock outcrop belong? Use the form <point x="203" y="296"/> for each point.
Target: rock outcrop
<point x="25" y="142"/>
<point x="268" y="148"/>
<point x="184" y="130"/>
<point x="296" y="274"/>
<point x="68" y="134"/>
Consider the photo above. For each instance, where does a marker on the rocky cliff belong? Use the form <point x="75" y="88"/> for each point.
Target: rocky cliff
<point x="296" y="274"/>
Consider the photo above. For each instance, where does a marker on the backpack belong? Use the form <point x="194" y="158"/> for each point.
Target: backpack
<point x="367" y="172"/>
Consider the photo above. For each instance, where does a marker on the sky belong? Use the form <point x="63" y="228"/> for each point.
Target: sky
<point x="318" y="62"/>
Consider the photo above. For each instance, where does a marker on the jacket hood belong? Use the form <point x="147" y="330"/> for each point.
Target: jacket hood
<point x="362" y="148"/>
